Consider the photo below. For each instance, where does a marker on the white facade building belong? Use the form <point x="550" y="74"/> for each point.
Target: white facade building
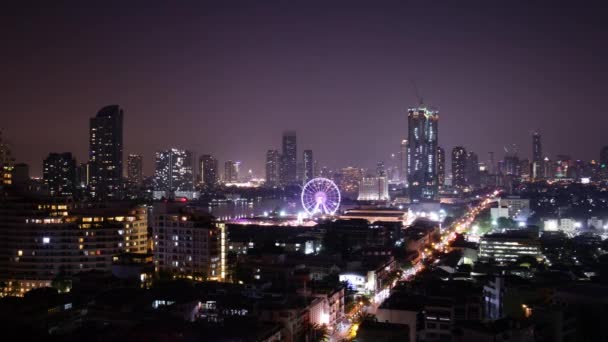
<point x="373" y="189"/>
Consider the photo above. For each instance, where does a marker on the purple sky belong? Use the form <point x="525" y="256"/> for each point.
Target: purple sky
<point x="227" y="78"/>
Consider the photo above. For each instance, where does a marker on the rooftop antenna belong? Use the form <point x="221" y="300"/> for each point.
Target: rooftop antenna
<point x="417" y="93"/>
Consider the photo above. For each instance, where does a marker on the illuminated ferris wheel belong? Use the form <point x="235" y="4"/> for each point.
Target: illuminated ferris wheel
<point x="320" y="196"/>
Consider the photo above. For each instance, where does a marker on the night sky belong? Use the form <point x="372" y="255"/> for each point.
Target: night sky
<point x="228" y="77"/>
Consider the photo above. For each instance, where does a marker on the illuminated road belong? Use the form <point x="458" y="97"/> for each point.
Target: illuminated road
<point x="429" y="255"/>
<point x="460" y="226"/>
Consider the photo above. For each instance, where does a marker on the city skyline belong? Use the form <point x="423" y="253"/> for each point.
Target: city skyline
<point x="492" y="87"/>
<point x="313" y="170"/>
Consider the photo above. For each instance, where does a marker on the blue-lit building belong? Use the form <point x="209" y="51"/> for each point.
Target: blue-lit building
<point x="422" y="154"/>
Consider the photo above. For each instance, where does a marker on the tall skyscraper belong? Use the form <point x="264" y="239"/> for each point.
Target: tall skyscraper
<point x="173" y="173"/>
<point x="273" y="162"/>
<point x="135" y="174"/>
<point x="440" y="166"/>
<point x="207" y="170"/>
<point x="59" y="174"/>
<point x="459" y="164"/>
<point x="537" y="151"/>
<point x="309" y="166"/>
<point x="537" y="156"/>
<point x="472" y="175"/>
<point x="231" y="171"/>
<point x="289" y="158"/>
<point x="105" y="154"/>
<point x="403" y="161"/>
<point x="422" y="153"/>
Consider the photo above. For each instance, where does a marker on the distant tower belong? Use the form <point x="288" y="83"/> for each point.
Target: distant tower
<point x="231" y="171"/>
<point x="289" y="158"/>
<point x="403" y="161"/>
<point x="380" y="169"/>
<point x="105" y="154"/>
<point x="135" y="174"/>
<point x="440" y="166"/>
<point x="207" y="170"/>
<point x="537" y="151"/>
<point x="309" y="166"/>
<point x="273" y="161"/>
<point x="173" y="172"/>
<point x="59" y="174"/>
<point x="422" y="154"/>
<point x="604" y="162"/>
<point x="537" y="156"/>
<point x="511" y="161"/>
<point x="459" y="162"/>
<point x="604" y="156"/>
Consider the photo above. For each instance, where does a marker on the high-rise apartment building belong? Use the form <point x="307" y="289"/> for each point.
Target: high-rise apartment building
<point x="105" y="154"/>
<point x="440" y="166"/>
<point x="459" y="164"/>
<point x="49" y="239"/>
<point x="59" y="174"/>
<point x="422" y="154"/>
<point x="208" y="170"/>
<point x="135" y="174"/>
<point x="231" y="171"/>
<point x="472" y="175"/>
<point x="289" y="159"/>
<point x="173" y="173"/>
<point x="273" y="166"/>
<point x="309" y="166"/>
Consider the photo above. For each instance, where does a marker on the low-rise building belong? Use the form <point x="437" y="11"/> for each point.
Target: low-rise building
<point x="370" y="276"/>
<point x="432" y="317"/>
<point x="188" y="242"/>
<point x="515" y="205"/>
<point x="508" y="247"/>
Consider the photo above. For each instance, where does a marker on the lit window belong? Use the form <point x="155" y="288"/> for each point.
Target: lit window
<point x="46" y="240"/>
